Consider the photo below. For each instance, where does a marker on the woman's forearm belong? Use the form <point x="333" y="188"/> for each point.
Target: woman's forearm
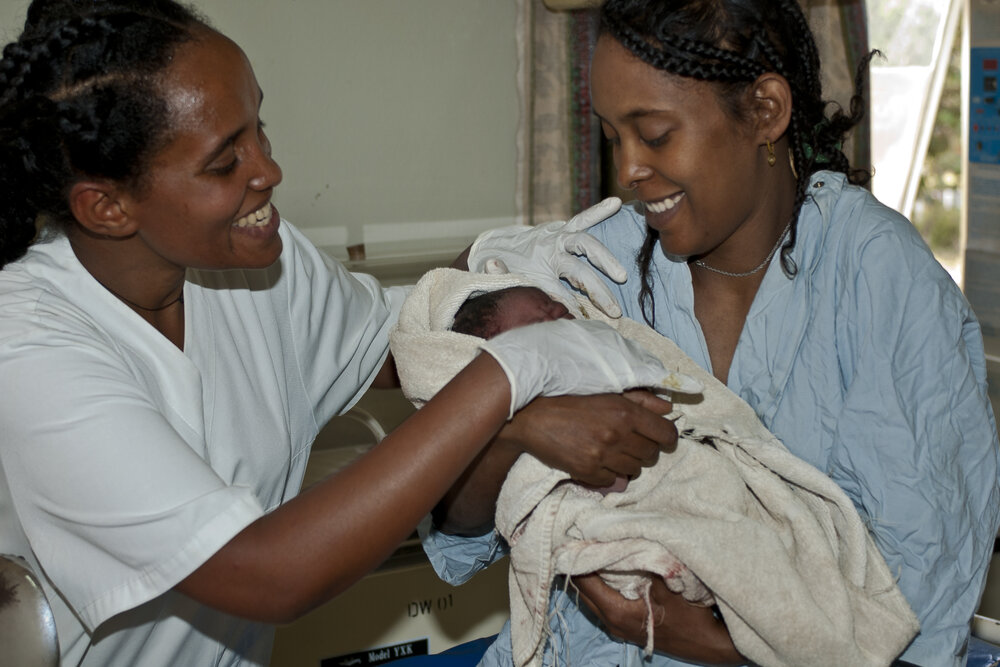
<point x="469" y="506"/>
<point x="316" y="545"/>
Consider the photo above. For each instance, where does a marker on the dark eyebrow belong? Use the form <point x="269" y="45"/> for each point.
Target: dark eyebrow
<point x="231" y="139"/>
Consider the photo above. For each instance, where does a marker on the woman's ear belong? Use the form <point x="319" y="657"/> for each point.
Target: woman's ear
<point x="772" y="105"/>
<point x="97" y="206"/>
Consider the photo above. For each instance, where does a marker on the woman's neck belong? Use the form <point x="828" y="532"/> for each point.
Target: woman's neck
<point x="726" y="282"/>
<point x="152" y="290"/>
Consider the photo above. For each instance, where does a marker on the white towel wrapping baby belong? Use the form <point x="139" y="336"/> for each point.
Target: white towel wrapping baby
<point x="731" y="517"/>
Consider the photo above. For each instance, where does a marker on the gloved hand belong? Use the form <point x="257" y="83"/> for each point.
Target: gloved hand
<point x="549" y="252"/>
<point x="577" y="357"/>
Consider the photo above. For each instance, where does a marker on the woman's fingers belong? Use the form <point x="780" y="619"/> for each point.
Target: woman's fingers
<point x="594" y="438"/>
<point x="652" y="422"/>
<point x="679" y="629"/>
<point x="649" y="401"/>
<point x="621" y="617"/>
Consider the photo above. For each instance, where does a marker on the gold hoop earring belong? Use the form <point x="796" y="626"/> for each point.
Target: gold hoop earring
<point x="791" y="163"/>
<point x="771" y="160"/>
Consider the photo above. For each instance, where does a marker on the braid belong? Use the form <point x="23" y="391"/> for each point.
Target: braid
<point x="644" y="261"/>
<point x="79" y="98"/>
<point x="26" y="153"/>
<point x="730" y="43"/>
<point x="685" y="57"/>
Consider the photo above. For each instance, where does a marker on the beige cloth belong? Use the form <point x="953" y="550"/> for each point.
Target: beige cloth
<point x="730" y="517"/>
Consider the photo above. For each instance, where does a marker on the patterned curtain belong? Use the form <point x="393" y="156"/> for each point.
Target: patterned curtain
<point x="558" y="138"/>
<point x="560" y="162"/>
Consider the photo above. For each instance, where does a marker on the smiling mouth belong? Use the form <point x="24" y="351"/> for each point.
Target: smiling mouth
<point x="664" y="204"/>
<point x="257" y="218"/>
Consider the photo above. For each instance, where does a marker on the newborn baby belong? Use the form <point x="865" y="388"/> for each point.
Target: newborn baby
<point x="492" y="313"/>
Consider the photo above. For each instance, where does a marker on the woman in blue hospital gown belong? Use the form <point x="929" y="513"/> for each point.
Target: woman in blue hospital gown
<point x="761" y="257"/>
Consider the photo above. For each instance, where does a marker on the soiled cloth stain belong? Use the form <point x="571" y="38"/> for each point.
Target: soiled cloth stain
<point x="731" y="517"/>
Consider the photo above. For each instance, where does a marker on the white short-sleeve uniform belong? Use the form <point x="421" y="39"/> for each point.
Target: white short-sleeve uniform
<point x="869" y="365"/>
<point x="128" y="462"/>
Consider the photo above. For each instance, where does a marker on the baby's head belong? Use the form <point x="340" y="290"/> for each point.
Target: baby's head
<point x="489" y="314"/>
<point x="492" y="313"/>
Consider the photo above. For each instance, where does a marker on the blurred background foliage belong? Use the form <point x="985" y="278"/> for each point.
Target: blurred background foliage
<point x="937" y="210"/>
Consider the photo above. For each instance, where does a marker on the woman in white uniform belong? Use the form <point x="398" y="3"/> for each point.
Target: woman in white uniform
<point x="169" y="349"/>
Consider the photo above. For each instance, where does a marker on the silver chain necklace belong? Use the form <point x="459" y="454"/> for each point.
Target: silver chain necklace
<point x="757" y="268"/>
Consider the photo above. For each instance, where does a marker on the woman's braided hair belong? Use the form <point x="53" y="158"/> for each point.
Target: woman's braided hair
<point x="79" y="97"/>
<point x="730" y="43"/>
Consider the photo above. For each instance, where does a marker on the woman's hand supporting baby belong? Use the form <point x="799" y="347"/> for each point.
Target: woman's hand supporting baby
<point x="680" y="629"/>
<point x="595" y="439"/>
<point x="590" y="431"/>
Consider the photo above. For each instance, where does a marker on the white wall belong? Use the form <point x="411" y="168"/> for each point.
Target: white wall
<point x="11" y="19"/>
<point x="380" y="112"/>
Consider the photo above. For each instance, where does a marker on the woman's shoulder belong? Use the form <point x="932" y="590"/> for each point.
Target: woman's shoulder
<point x="32" y="289"/>
<point x="845" y="226"/>
<point x="858" y="252"/>
<point x="851" y="211"/>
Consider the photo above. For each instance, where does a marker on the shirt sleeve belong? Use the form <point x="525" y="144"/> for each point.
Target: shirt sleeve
<point x="456" y="559"/>
<point x="102" y="480"/>
<point x="916" y="444"/>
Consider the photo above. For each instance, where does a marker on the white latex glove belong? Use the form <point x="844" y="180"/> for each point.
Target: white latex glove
<point x="577" y="357"/>
<point x="551" y="251"/>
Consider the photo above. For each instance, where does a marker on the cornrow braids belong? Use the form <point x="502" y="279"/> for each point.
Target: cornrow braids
<point x="79" y="98"/>
<point x="730" y="43"/>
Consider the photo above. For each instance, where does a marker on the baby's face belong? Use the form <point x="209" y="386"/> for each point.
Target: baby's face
<point x="522" y="306"/>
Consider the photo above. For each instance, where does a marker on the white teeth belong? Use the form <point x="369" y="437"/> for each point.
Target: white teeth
<point x="665" y="204"/>
<point x="258" y="218"/>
